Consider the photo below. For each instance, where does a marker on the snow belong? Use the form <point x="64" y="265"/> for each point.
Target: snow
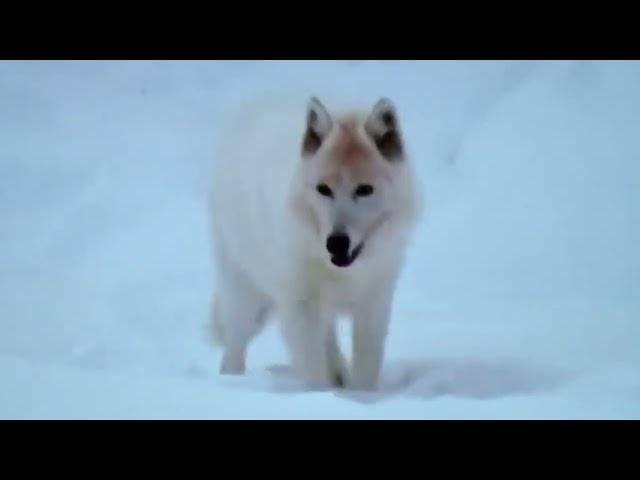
<point x="520" y="297"/>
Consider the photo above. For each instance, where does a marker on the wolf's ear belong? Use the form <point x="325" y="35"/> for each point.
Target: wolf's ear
<point x="383" y="127"/>
<point x="318" y="126"/>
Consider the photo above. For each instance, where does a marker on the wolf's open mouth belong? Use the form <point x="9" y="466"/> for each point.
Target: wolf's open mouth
<point x="346" y="260"/>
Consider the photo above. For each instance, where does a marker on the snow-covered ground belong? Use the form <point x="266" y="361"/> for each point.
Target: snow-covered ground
<point x="520" y="297"/>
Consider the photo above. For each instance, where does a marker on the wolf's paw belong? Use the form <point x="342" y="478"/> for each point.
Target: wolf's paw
<point x="233" y="362"/>
<point x="338" y="379"/>
<point x="339" y="374"/>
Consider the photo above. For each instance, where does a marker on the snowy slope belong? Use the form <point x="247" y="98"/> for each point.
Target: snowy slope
<point x="520" y="298"/>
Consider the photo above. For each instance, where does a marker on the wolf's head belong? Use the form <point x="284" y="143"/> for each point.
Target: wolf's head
<point x="354" y="175"/>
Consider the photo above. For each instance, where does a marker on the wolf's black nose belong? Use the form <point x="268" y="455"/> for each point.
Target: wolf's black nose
<point x="338" y="244"/>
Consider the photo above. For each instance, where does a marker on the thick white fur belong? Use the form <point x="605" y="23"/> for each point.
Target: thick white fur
<point x="271" y="256"/>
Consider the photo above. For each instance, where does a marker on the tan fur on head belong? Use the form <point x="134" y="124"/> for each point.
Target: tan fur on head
<point x="380" y="127"/>
<point x="349" y="148"/>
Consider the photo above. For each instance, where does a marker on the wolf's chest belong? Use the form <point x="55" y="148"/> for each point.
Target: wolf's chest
<point x="318" y="283"/>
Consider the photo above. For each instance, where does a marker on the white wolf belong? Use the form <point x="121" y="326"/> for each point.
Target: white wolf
<point x="311" y="215"/>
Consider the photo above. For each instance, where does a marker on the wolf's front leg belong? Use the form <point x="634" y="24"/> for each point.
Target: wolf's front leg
<point x="337" y="362"/>
<point x="305" y="328"/>
<point x="370" y="326"/>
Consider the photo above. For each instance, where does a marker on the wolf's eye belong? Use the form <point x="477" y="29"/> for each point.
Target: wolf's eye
<point x="363" y="190"/>
<point x="324" y="190"/>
